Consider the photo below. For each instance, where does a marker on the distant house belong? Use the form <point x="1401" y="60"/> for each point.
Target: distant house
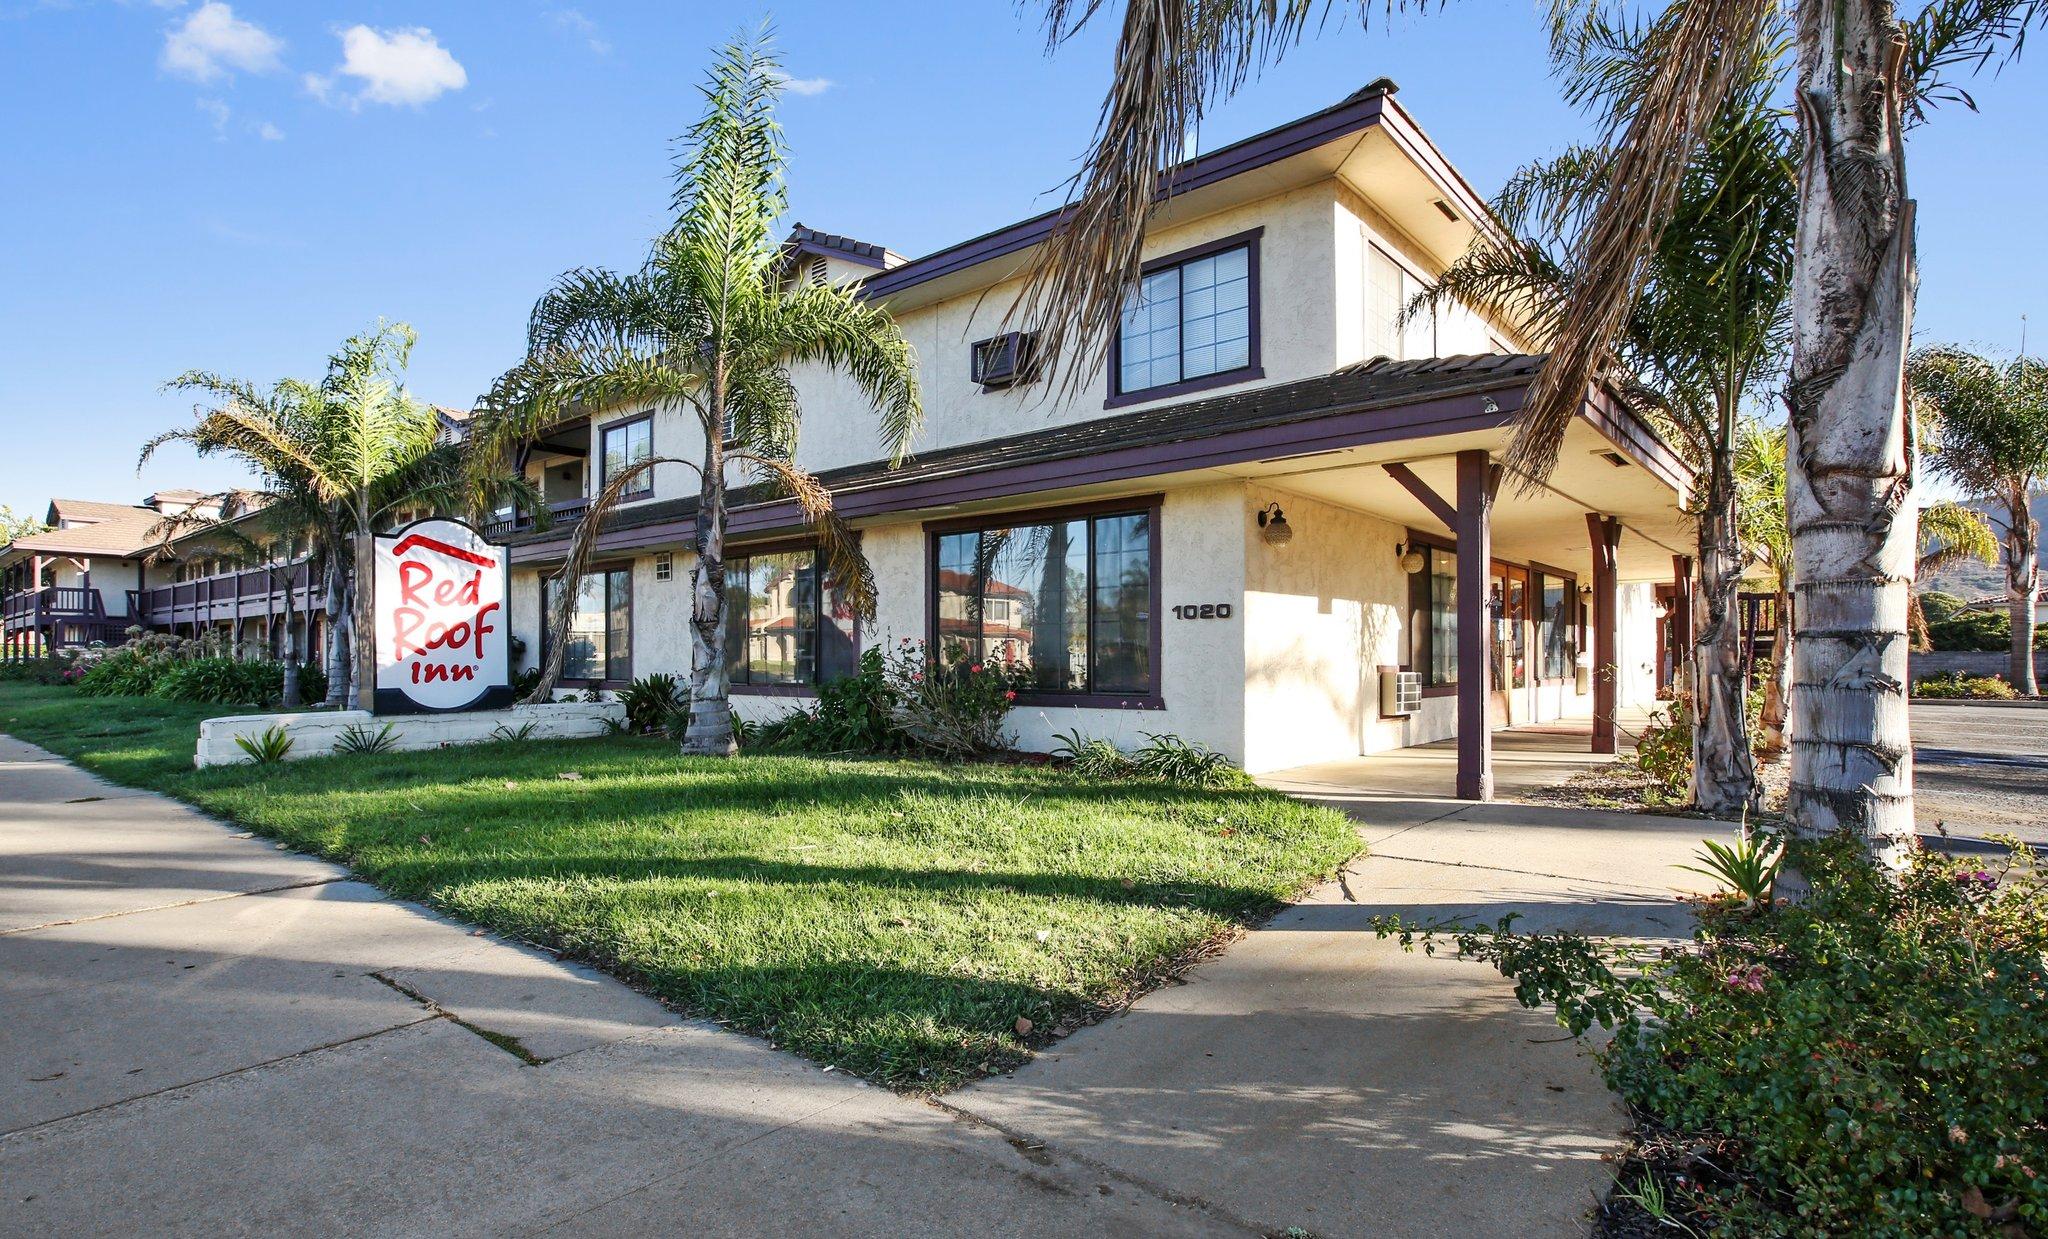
<point x="97" y="571"/>
<point x="1245" y="529"/>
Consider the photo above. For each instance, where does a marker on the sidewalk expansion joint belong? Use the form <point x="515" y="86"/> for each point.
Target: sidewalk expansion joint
<point x="215" y="1078"/>
<point x="1527" y="873"/>
<point x="181" y="903"/>
<point x="504" y="1041"/>
<point x="1034" y="1148"/>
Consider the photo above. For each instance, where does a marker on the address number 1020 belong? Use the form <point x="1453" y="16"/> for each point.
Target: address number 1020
<point x="1203" y="610"/>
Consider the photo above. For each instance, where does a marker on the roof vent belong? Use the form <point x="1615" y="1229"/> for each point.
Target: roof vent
<point x="1446" y="210"/>
<point x="1613" y="458"/>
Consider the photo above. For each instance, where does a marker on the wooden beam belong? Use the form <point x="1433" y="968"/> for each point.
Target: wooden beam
<point x="1424" y="495"/>
<point x="1605" y="532"/>
<point x="1474" y="528"/>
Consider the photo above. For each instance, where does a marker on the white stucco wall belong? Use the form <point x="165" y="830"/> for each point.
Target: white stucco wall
<point x="1322" y="614"/>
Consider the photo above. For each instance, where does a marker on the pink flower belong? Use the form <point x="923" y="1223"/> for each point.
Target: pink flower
<point x="1749" y="979"/>
<point x="1009" y="696"/>
<point x="976" y="668"/>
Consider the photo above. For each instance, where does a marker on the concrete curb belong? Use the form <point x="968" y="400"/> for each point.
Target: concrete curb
<point x="2032" y="703"/>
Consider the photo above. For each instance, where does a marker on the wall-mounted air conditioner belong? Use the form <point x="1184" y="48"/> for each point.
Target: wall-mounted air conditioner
<point x="1400" y="692"/>
<point x="1005" y="360"/>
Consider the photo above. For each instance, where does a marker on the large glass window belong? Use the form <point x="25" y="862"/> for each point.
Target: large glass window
<point x="1069" y="599"/>
<point x="600" y="636"/>
<point x="625" y="444"/>
<point x="1556" y="632"/>
<point x="1187" y="322"/>
<point x="786" y="620"/>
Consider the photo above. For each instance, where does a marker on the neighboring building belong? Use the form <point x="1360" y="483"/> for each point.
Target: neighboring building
<point x="97" y="571"/>
<point x="1127" y="543"/>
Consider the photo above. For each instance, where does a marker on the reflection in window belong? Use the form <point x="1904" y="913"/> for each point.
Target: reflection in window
<point x="1187" y="322"/>
<point x="1443" y="616"/>
<point x="1070" y="600"/>
<point x="1555" y="631"/>
<point x="626" y="444"/>
<point x="781" y="627"/>
<point x="599" y="643"/>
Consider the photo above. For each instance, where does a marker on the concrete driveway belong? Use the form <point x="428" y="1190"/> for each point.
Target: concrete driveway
<point x="201" y="1033"/>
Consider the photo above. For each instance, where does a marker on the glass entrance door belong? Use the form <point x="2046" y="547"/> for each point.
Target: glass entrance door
<point x="1508" y="599"/>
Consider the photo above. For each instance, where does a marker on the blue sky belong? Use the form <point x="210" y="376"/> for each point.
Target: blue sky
<point x="239" y="186"/>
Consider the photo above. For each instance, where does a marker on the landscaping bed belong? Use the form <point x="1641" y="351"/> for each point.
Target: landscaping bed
<point x="914" y="922"/>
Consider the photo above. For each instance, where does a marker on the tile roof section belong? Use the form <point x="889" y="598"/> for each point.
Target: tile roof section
<point x="865" y="252"/>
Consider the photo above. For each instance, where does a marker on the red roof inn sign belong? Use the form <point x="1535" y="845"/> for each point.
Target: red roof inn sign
<point x="444" y="641"/>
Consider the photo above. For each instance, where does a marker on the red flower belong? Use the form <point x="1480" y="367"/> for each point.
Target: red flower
<point x="1009" y="696"/>
<point x="976" y="668"/>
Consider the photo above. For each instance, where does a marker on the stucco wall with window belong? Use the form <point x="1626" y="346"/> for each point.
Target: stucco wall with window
<point x="1297" y="336"/>
<point x="1361" y="303"/>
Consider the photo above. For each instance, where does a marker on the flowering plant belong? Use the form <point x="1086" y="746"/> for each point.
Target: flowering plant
<point x="953" y="702"/>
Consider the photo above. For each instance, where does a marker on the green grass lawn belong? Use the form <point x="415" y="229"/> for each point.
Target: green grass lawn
<point x="894" y="918"/>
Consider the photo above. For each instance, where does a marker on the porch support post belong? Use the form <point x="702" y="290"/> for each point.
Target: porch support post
<point x="1475" y="555"/>
<point x="1606" y="536"/>
<point x="1681" y="622"/>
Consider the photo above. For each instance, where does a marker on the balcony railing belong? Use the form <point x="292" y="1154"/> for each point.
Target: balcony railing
<point x="65" y="615"/>
<point x="566" y="513"/>
<point x="249" y="593"/>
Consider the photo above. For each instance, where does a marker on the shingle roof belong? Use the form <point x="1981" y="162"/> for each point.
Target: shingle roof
<point x="1378" y="383"/>
<point x="105" y="529"/>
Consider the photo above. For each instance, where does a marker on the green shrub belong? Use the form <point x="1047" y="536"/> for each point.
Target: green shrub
<point x="649" y="700"/>
<point x="950" y="703"/>
<point x="1174" y="760"/>
<point x="1092" y="758"/>
<point x="1978" y="631"/>
<point x="1954" y="684"/>
<point x="41" y="669"/>
<point x="853" y="714"/>
<point x="1664" y="749"/>
<point x="131" y="670"/>
<point x="1868" y="1061"/>
<point x="221" y="681"/>
<point x="359" y="740"/>
<point x="1937" y="605"/>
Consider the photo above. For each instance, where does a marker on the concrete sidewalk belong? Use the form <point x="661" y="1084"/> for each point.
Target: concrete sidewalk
<point x="200" y="1032"/>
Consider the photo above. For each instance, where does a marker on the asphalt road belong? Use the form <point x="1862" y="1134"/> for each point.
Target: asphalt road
<point x="1981" y="770"/>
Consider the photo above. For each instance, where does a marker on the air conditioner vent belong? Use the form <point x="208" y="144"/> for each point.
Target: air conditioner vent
<point x="1005" y="360"/>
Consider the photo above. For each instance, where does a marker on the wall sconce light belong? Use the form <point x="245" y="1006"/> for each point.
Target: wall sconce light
<point x="1274" y="527"/>
<point x="1411" y="560"/>
<point x="1585" y="591"/>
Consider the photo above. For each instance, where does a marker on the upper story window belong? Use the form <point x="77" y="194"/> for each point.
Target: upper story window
<point x="1389" y="287"/>
<point x="623" y="445"/>
<point x="1192" y="323"/>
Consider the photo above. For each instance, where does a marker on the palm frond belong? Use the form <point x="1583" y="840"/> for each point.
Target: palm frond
<point x="1951" y="533"/>
<point x="1697" y="53"/>
<point x="837" y="542"/>
<point x="1961" y="38"/>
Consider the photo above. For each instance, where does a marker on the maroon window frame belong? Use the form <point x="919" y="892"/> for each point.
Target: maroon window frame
<point x="1149" y="505"/>
<point x="782" y="546"/>
<point x="632" y="626"/>
<point x="1253" y="368"/>
<point x="644" y="487"/>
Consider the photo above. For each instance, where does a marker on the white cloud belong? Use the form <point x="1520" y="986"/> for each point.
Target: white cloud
<point x="269" y="132"/>
<point x="407" y="66"/>
<point x="217" y="112"/>
<point x="212" y="41"/>
<point x="807" y="85"/>
<point x="574" y="21"/>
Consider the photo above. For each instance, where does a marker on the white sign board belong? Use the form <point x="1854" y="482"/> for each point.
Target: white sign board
<point x="443" y="637"/>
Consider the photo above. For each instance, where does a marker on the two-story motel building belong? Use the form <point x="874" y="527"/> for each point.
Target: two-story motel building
<point x="1271" y="505"/>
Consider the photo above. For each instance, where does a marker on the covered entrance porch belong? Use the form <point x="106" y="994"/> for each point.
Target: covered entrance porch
<point x="1525" y="758"/>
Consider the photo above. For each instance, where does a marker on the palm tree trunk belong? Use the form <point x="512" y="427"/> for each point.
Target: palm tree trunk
<point x="1850" y="442"/>
<point x="334" y="590"/>
<point x="290" y="699"/>
<point x="710" y="730"/>
<point x="2022" y="587"/>
<point x="363" y="625"/>
<point x="1723" y="769"/>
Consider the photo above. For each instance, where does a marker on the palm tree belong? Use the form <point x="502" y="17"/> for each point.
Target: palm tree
<point x="708" y="323"/>
<point x="1950" y="533"/>
<point x="1994" y="445"/>
<point x="1707" y="331"/>
<point x="344" y="455"/>
<point x="1860" y="76"/>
